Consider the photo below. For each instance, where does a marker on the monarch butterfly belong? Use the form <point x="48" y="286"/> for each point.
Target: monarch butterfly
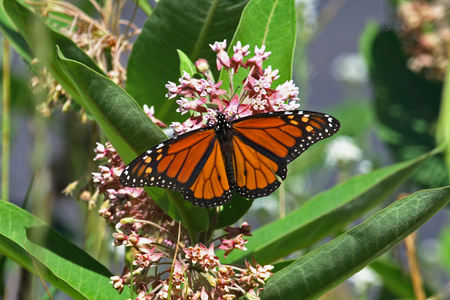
<point x="245" y="155"/>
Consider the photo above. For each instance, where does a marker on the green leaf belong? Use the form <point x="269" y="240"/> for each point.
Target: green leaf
<point x="443" y="246"/>
<point x="31" y="243"/>
<point x="174" y="25"/>
<point x="233" y="211"/>
<point x="145" y="6"/>
<point x="324" y="214"/>
<point x="130" y="131"/>
<point x="443" y="124"/>
<point x="186" y="64"/>
<point x="326" y="267"/>
<point x="42" y="40"/>
<point x="270" y="23"/>
<point x="17" y="41"/>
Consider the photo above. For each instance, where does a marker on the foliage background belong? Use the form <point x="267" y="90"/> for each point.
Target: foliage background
<point x="46" y="152"/>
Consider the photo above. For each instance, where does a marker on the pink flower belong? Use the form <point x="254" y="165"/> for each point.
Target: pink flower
<point x="178" y="274"/>
<point x="164" y="291"/>
<point x="288" y="90"/>
<point x="238" y="56"/>
<point x="222" y="56"/>
<point x="235" y="231"/>
<point x="172" y="90"/>
<point x="271" y="75"/>
<point x="202" y="66"/>
<point x="236" y="243"/>
<point x="150" y="112"/>
<point x="259" y="103"/>
<point x="177" y="127"/>
<point x="147" y="257"/>
<point x="100" y="151"/>
<point x="185" y="80"/>
<point x="118" y="283"/>
<point x="260" y="56"/>
<point x="210" y="260"/>
<point x="194" y="254"/>
<point x="256" y="275"/>
<point x="184" y="105"/>
<point x="210" y="117"/>
<point x="119" y="238"/>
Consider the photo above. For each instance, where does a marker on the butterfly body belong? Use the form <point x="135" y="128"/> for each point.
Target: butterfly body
<point x="246" y="155"/>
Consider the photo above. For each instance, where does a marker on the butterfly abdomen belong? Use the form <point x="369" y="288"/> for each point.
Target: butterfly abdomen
<point x="224" y="132"/>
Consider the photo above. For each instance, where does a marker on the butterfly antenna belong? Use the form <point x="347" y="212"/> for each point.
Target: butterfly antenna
<point x="239" y="103"/>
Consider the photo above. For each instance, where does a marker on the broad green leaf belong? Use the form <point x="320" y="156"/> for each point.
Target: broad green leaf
<point x="324" y="214"/>
<point x="319" y="271"/>
<point x="30" y="242"/>
<point x="174" y="25"/>
<point x="272" y="24"/>
<point x="42" y="40"/>
<point x="130" y="131"/>
<point x="17" y="41"/>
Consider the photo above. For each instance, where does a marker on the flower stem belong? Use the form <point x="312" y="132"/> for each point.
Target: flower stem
<point x="184" y="217"/>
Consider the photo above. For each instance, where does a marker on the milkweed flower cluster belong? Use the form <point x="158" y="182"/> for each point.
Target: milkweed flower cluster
<point x="425" y="30"/>
<point x="202" y="97"/>
<point x="100" y="39"/>
<point x="129" y="210"/>
<point x="157" y="270"/>
<point x="165" y="264"/>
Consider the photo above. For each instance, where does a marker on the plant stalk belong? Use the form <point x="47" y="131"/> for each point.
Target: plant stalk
<point x="6" y="134"/>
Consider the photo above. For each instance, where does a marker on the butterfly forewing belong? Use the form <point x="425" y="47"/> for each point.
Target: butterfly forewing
<point x="264" y="144"/>
<point x="173" y="164"/>
<point x="285" y="134"/>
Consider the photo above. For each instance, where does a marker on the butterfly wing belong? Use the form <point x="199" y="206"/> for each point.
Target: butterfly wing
<point x="264" y="144"/>
<point x="211" y="187"/>
<point x="191" y="163"/>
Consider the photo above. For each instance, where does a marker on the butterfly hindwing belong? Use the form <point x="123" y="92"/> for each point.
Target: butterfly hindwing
<point x="211" y="188"/>
<point x="254" y="172"/>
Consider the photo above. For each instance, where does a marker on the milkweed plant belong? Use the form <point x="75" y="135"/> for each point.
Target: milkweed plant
<point x="197" y="271"/>
<point x="173" y="75"/>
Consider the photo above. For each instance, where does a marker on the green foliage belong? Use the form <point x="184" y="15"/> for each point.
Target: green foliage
<point x="178" y="33"/>
<point x="121" y="119"/>
<point x="406" y="104"/>
<point x="324" y="214"/>
<point x="40" y="38"/>
<point x="189" y="26"/>
<point x="260" y="25"/>
<point x="318" y="271"/>
<point x="41" y="250"/>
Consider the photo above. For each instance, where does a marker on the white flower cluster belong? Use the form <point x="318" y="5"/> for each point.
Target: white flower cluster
<point x="342" y="151"/>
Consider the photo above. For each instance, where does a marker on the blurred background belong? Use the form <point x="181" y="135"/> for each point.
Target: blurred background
<point x="349" y="52"/>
